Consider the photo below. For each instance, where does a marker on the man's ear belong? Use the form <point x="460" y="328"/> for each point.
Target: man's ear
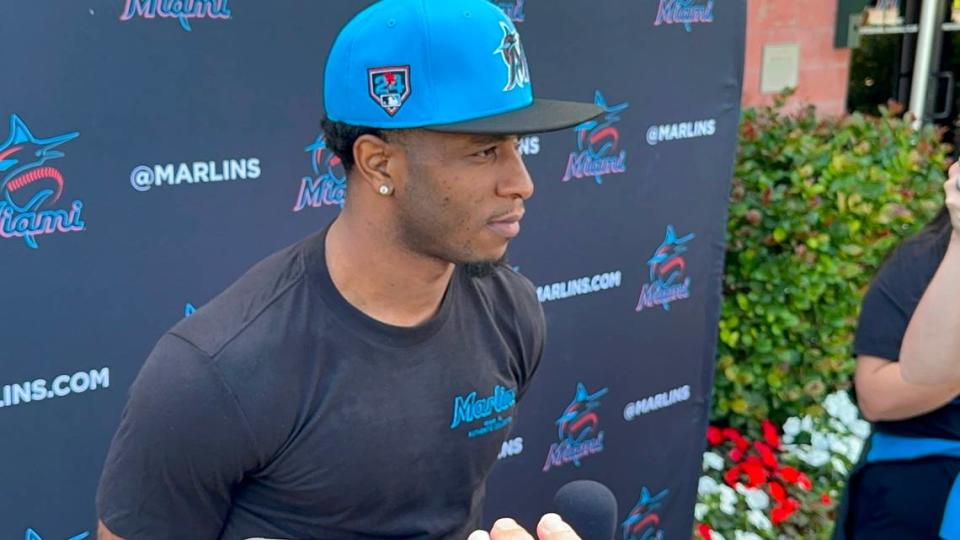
<point x="376" y="159"/>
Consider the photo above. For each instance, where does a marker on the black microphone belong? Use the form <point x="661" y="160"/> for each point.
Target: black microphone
<point x="589" y="507"/>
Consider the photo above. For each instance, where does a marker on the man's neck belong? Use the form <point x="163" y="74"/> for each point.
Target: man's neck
<point x="382" y="278"/>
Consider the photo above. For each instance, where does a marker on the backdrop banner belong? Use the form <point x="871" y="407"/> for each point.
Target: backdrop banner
<point x="149" y="155"/>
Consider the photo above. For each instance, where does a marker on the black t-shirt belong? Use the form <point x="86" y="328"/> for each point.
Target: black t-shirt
<point x="279" y="410"/>
<point x="887" y="307"/>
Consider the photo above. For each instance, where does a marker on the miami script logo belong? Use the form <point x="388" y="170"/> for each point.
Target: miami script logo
<point x="31" y="187"/>
<point x="578" y="430"/>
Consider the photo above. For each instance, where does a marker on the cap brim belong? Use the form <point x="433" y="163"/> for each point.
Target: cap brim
<point x="542" y="116"/>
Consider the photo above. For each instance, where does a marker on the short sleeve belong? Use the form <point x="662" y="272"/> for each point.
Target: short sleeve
<point x="536" y="337"/>
<point x="181" y="447"/>
<point x="893" y="296"/>
<point x="882" y="320"/>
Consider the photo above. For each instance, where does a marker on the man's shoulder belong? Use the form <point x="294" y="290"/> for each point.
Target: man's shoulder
<point x="259" y="293"/>
<point x="507" y="291"/>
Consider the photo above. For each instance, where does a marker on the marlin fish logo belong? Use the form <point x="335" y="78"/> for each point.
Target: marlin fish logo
<point x="667" y="264"/>
<point x="667" y="269"/>
<point x="511" y="51"/>
<point x="578" y="430"/>
<point x="328" y="185"/>
<point x="643" y="522"/>
<point x="598" y="142"/>
<point x="579" y="420"/>
<point x="22" y="170"/>
<point x="34" y="535"/>
<point x="28" y="183"/>
<point x="600" y="138"/>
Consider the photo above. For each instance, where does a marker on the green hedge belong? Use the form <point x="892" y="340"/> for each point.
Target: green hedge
<point x="816" y="205"/>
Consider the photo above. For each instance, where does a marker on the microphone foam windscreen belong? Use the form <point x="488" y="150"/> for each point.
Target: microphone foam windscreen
<point x="589" y="507"/>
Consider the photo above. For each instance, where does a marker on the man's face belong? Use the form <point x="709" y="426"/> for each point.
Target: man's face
<point x="462" y="196"/>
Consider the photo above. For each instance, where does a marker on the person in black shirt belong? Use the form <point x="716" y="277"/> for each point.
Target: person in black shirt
<point x="359" y="383"/>
<point x="902" y="487"/>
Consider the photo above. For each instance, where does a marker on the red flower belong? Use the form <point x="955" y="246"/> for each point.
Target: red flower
<point x="714" y="435"/>
<point x="770" y="434"/>
<point x="735" y="455"/>
<point x="731" y="433"/>
<point x="789" y="474"/>
<point x="777" y="492"/>
<point x="735" y="436"/>
<point x="783" y="511"/>
<point x="732" y="475"/>
<point x="766" y="454"/>
<point x="804" y="482"/>
<point x="704" y="531"/>
<point x="825" y="499"/>
<point x="756" y="473"/>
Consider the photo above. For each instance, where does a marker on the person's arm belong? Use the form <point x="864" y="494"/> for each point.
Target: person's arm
<point x="182" y="446"/>
<point x="930" y="353"/>
<point x="883" y="395"/>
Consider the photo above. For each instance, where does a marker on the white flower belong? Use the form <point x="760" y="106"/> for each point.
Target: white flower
<point x="727" y="493"/>
<point x="707" y="486"/>
<point x="820" y="440"/>
<point x="839" y="465"/>
<point x="833" y="404"/>
<point x="839" y="446"/>
<point x="700" y="511"/>
<point x="792" y="426"/>
<point x="757" y="499"/>
<point x="787" y="439"/>
<point x="716" y="536"/>
<point x="713" y="461"/>
<point x="740" y="535"/>
<point x="759" y="520"/>
<point x="860" y="428"/>
<point x="817" y="458"/>
<point x="728" y="500"/>
<point x="806" y="424"/>
<point x="854" y="447"/>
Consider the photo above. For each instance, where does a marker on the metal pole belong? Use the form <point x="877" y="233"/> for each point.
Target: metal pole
<point x="921" y="67"/>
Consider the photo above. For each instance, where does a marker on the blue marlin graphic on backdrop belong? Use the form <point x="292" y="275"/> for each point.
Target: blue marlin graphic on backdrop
<point x="597" y="144"/>
<point x="34" y="535"/>
<point x="578" y="430"/>
<point x="668" y="269"/>
<point x="643" y="522"/>
<point x="28" y="184"/>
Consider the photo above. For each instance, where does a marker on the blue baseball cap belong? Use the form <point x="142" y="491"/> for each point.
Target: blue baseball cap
<point x="446" y="65"/>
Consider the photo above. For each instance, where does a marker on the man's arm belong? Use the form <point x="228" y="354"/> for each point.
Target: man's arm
<point x="182" y="446"/>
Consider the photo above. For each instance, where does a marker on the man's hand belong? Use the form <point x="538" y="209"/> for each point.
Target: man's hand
<point x="551" y="527"/>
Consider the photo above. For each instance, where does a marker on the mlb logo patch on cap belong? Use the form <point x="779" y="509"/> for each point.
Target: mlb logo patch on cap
<point x="390" y="87"/>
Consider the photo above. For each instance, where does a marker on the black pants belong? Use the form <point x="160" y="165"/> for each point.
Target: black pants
<point x="902" y="500"/>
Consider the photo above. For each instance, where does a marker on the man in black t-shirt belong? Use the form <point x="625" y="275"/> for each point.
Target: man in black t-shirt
<point x="359" y="383"/>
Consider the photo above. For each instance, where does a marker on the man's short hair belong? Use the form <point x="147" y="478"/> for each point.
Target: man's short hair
<point x="340" y="138"/>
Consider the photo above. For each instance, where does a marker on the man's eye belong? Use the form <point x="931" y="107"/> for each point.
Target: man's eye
<point x="487" y="152"/>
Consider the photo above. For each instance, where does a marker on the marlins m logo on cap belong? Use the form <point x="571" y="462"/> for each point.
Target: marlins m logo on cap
<point x="511" y="50"/>
<point x="390" y="87"/>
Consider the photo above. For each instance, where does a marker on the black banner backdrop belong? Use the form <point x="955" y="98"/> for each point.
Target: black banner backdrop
<point x="152" y="158"/>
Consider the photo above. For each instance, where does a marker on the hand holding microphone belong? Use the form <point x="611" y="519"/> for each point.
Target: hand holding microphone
<point x="551" y="527"/>
<point x="590" y="510"/>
